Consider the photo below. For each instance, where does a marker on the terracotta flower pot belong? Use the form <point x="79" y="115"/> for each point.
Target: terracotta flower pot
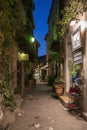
<point x="59" y="89"/>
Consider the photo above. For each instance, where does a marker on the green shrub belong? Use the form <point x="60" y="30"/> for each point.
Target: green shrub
<point x="8" y="98"/>
<point x="51" y="79"/>
<point x="59" y="80"/>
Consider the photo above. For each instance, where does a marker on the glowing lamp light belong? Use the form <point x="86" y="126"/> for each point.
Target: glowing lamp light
<point x="32" y="39"/>
<point x="81" y="22"/>
<point x="72" y="22"/>
<point x="23" y="57"/>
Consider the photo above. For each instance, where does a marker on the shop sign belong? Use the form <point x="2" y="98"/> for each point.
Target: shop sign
<point x="77" y="57"/>
<point x="23" y="57"/>
<point x="76" y="39"/>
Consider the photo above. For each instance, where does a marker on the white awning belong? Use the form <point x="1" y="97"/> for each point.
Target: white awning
<point x="44" y="67"/>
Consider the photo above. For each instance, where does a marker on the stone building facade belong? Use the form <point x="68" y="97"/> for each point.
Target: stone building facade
<point x="76" y="54"/>
<point x="75" y="45"/>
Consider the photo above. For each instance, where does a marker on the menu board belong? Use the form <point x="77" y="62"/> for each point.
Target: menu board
<point x="76" y="39"/>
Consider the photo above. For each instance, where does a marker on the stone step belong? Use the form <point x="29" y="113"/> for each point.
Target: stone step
<point x="65" y="100"/>
<point x="84" y="115"/>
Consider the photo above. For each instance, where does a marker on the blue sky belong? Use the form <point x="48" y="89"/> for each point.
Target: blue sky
<point x="41" y="12"/>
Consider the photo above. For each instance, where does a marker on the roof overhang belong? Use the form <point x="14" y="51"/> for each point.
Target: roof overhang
<point x="44" y="67"/>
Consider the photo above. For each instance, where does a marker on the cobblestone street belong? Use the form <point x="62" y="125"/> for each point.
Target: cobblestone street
<point x="40" y="111"/>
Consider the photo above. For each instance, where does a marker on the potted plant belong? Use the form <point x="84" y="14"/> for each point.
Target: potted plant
<point x="30" y="78"/>
<point x="59" y="86"/>
<point x="51" y="79"/>
<point x="75" y="73"/>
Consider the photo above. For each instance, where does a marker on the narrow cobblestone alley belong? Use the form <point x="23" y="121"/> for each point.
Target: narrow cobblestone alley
<point x="40" y="111"/>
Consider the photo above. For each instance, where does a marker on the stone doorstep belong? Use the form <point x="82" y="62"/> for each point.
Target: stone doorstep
<point x="84" y="115"/>
<point x="65" y="100"/>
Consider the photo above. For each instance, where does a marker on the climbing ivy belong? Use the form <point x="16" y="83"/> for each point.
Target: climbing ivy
<point x="5" y="90"/>
<point x="72" y="9"/>
<point x="13" y="21"/>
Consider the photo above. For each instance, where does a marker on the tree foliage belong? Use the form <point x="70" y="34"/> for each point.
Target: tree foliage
<point x="72" y="9"/>
<point x="55" y="57"/>
<point x="16" y="23"/>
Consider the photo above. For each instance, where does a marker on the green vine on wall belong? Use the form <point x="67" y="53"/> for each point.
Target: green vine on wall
<point x="5" y="90"/>
<point x="15" y="17"/>
<point x="71" y="10"/>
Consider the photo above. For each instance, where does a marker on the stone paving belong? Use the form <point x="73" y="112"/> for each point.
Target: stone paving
<point x="9" y="116"/>
<point x="40" y="111"/>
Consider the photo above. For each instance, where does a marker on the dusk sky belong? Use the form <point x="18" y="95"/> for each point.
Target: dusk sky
<point x="41" y="12"/>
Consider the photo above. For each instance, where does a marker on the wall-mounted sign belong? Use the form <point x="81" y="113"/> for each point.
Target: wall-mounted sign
<point x="76" y="39"/>
<point x="23" y="57"/>
<point x="77" y="57"/>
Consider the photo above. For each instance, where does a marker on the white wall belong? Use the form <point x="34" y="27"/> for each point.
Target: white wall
<point x="68" y="65"/>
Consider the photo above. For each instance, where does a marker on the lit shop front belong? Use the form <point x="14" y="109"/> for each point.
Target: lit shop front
<point x="79" y="54"/>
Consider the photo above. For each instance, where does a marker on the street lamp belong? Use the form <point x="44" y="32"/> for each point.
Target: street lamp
<point x="32" y="39"/>
<point x="72" y="22"/>
<point x="81" y="22"/>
